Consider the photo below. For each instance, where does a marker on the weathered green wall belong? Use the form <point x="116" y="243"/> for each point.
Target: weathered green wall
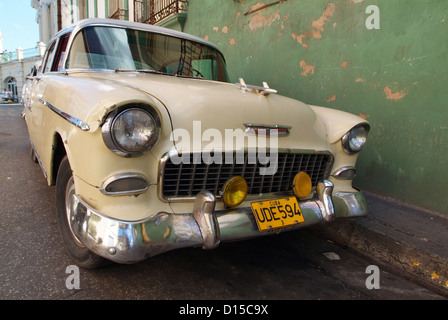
<point x="322" y="53"/>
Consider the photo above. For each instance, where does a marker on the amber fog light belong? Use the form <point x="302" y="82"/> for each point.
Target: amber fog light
<point x="234" y="191"/>
<point x="302" y="185"/>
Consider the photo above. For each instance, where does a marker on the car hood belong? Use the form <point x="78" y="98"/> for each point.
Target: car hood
<point x="211" y="111"/>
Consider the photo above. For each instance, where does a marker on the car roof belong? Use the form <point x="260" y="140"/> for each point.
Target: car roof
<point x="132" y="25"/>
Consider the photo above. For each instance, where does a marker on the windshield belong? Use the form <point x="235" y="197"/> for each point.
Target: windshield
<point x="127" y="49"/>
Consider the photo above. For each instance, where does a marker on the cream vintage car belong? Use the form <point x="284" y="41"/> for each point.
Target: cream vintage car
<point x="151" y="148"/>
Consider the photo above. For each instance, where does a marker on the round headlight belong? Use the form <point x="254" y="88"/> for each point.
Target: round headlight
<point x="354" y="140"/>
<point x="131" y="131"/>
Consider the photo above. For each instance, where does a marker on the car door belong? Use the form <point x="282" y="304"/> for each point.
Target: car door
<point x="34" y="108"/>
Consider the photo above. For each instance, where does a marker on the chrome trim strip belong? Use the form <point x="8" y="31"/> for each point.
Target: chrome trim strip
<point x="252" y="129"/>
<point x="162" y="163"/>
<point x="75" y="121"/>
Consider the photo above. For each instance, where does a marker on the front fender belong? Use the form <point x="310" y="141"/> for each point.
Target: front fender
<point x="90" y="98"/>
<point x="337" y="122"/>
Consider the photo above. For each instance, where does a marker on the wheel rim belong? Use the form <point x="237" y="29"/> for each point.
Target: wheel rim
<point x="70" y="209"/>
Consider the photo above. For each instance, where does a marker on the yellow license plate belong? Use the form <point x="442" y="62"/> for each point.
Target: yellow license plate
<point x="271" y="214"/>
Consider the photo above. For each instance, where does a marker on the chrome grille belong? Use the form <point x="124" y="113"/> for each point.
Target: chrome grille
<point x="188" y="179"/>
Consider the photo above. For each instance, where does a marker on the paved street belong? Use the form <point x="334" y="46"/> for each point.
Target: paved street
<point x="292" y="266"/>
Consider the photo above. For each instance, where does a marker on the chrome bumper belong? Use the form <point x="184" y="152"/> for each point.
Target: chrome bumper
<point x="130" y="242"/>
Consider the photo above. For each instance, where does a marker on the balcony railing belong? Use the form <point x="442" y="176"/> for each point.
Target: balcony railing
<point x="119" y="14"/>
<point x="19" y="54"/>
<point x="154" y="11"/>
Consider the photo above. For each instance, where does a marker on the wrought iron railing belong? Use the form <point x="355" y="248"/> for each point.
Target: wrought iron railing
<point x="154" y="11"/>
<point x="119" y="14"/>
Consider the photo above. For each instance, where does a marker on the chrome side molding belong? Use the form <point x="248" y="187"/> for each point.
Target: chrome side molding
<point x="75" y="121"/>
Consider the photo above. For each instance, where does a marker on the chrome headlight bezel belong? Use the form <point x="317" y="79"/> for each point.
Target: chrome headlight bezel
<point x="110" y="135"/>
<point x="355" y="139"/>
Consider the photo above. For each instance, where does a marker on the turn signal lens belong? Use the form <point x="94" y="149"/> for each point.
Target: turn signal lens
<point x="302" y="185"/>
<point x="345" y="173"/>
<point x="234" y="191"/>
<point x="126" y="184"/>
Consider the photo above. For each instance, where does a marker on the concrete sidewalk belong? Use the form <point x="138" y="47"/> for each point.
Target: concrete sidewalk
<point x="412" y="240"/>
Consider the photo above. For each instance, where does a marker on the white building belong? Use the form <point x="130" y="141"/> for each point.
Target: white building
<point x="54" y="15"/>
<point x="14" y="66"/>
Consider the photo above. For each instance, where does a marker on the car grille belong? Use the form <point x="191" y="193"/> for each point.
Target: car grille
<point x="186" y="180"/>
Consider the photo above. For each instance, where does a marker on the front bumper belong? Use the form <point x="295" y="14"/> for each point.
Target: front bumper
<point x="130" y="242"/>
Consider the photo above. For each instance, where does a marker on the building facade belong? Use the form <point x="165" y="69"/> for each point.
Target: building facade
<point x="15" y="66"/>
<point x="54" y="15"/>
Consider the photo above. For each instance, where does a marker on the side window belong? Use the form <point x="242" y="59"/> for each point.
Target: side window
<point x="60" y="53"/>
<point x="49" y="58"/>
<point x="78" y="57"/>
<point x="204" y="68"/>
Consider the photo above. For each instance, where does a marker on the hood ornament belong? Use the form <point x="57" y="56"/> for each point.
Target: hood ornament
<point x="264" y="90"/>
<point x="267" y="130"/>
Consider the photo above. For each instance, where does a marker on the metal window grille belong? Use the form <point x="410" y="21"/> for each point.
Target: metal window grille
<point x="154" y="11"/>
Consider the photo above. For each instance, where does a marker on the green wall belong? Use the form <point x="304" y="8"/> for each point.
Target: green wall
<point x="322" y="53"/>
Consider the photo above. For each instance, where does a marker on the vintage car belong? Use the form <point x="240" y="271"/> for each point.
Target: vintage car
<point x="6" y="97"/>
<point x="152" y="148"/>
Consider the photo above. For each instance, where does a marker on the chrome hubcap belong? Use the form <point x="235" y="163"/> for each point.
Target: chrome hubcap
<point x="70" y="206"/>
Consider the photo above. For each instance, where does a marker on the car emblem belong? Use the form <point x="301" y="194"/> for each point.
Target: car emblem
<point x="267" y="130"/>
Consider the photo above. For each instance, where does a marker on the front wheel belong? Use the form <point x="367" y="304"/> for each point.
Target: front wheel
<point x="65" y="190"/>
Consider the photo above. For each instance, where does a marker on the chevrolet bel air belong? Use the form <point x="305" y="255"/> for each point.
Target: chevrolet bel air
<point x="151" y="148"/>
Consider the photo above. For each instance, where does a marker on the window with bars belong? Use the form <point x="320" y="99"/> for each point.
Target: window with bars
<point x="154" y="11"/>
